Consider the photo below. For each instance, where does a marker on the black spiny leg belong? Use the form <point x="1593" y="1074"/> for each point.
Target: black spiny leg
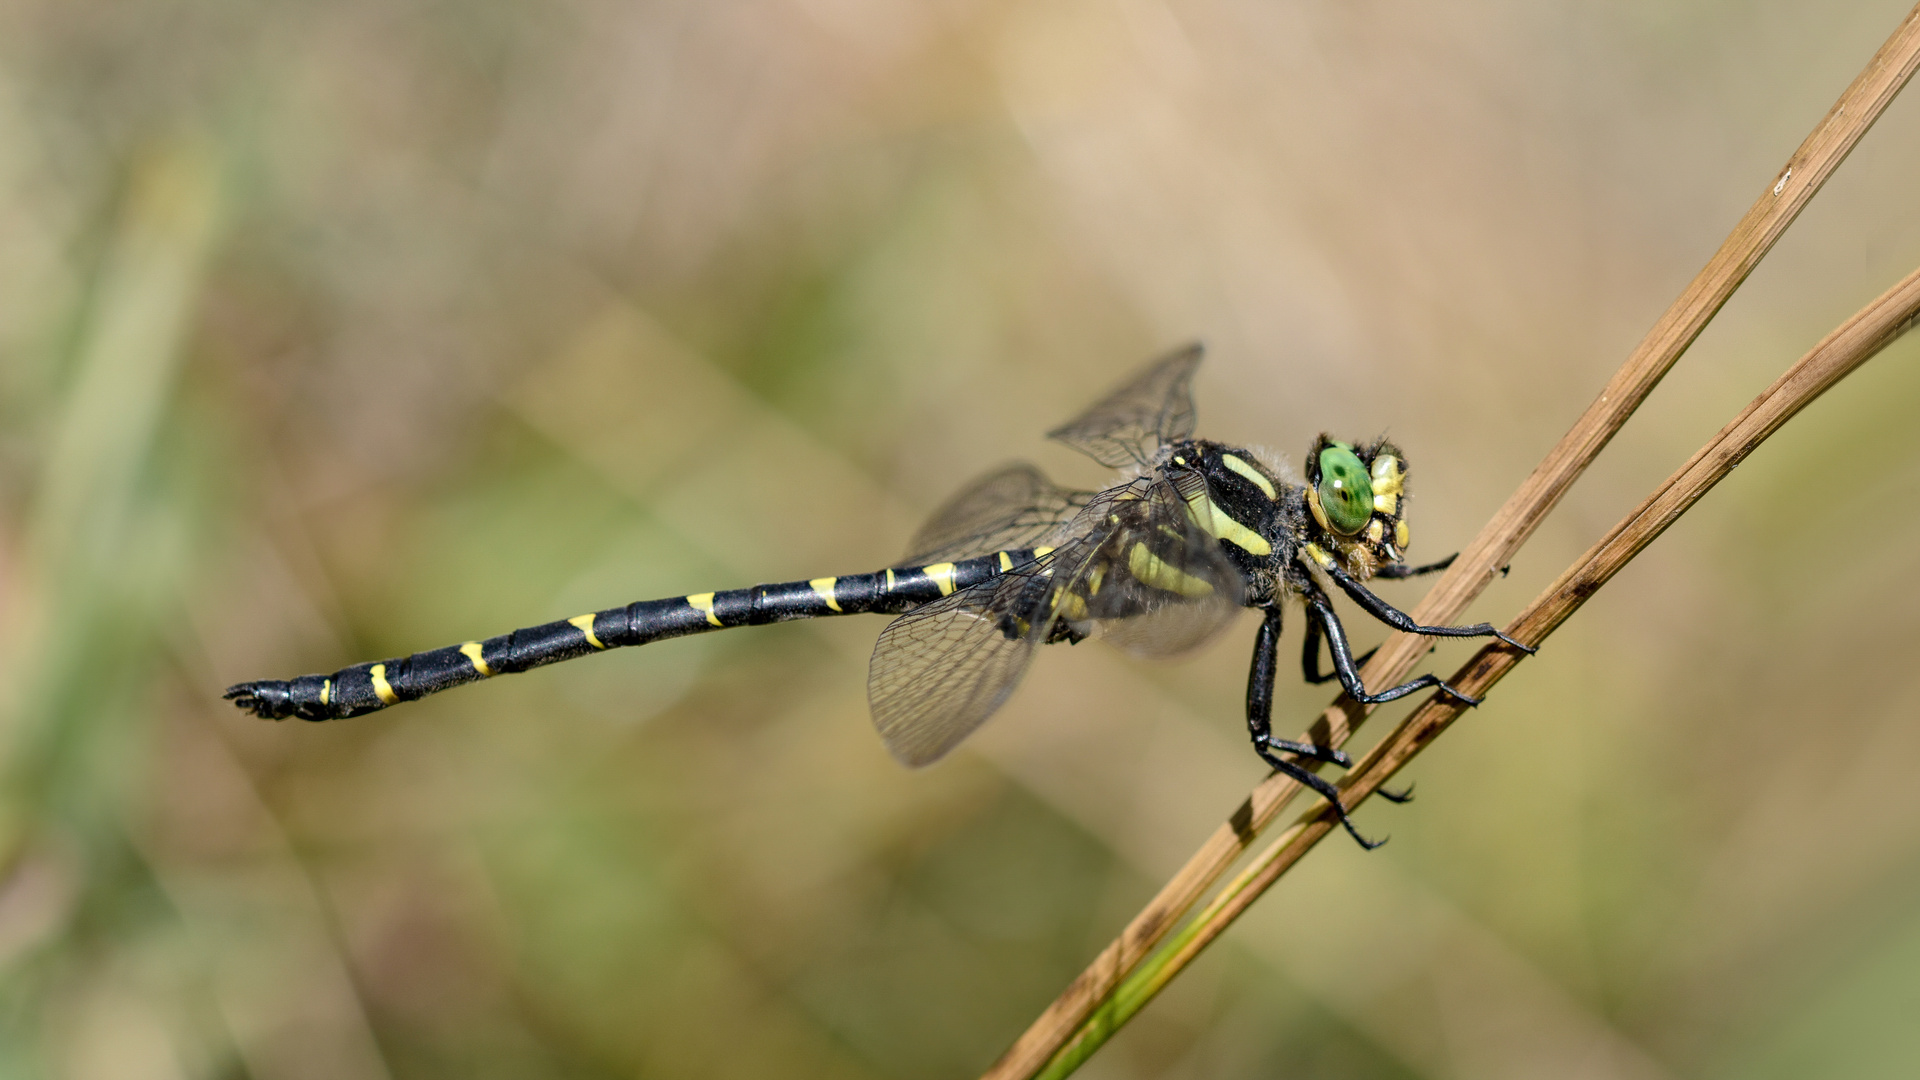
<point x="1400" y="620"/>
<point x="1320" y="609"/>
<point x="1310" y="656"/>
<point x="1402" y="570"/>
<point x="1260" y="676"/>
<point x="1310" y="667"/>
<point x="1310" y="661"/>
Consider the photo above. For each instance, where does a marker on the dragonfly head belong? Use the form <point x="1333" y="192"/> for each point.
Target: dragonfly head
<point x="1358" y="498"/>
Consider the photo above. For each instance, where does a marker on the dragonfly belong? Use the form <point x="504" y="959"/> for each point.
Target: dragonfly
<point x="1158" y="563"/>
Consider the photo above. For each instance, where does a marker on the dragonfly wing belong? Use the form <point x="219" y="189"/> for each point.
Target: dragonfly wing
<point x="942" y="669"/>
<point x="1153" y="580"/>
<point x="1154" y="408"/>
<point x="1135" y="566"/>
<point x="1011" y="508"/>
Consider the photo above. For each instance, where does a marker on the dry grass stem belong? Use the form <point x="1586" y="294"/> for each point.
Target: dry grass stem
<point x="1784" y="196"/>
<point x="1853" y="343"/>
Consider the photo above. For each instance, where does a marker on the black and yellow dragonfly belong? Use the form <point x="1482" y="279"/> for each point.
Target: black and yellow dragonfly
<point x="1157" y="564"/>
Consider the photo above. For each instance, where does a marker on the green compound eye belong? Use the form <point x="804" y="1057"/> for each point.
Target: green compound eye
<point x="1346" y="494"/>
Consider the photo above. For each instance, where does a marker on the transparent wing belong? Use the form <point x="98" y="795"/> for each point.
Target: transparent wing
<point x="942" y="669"/>
<point x="1139" y="570"/>
<point x="1010" y="508"/>
<point x="1155" y="407"/>
<point x="1157" y="583"/>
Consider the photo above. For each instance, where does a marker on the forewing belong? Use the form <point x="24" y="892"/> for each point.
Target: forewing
<point x="942" y="669"/>
<point x="1166" y="587"/>
<point x="1155" y="407"/>
<point x="1010" y="508"/>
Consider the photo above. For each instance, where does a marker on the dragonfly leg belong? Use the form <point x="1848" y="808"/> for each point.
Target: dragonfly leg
<point x="1310" y="657"/>
<point x="1319" y="608"/>
<point x="1402" y="570"/>
<point x="1322" y="788"/>
<point x="1260" y="726"/>
<point x="1310" y="667"/>
<point x="1400" y="620"/>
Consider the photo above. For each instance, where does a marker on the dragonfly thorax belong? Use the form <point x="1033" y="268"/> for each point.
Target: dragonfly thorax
<point x="1257" y="514"/>
<point x="1351" y="511"/>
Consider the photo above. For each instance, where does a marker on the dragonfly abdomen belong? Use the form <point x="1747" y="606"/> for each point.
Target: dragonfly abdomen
<point x="365" y="688"/>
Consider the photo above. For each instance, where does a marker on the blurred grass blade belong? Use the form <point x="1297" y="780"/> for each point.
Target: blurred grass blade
<point x="124" y="361"/>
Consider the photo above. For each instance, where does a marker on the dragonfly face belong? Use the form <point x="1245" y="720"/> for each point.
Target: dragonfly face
<point x="1357" y="497"/>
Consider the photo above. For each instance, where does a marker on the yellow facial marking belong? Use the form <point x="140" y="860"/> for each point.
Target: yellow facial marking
<point x="1006" y="563"/>
<point x="585" y="623"/>
<point x="1389" y="478"/>
<point x="823" y="588"/>
<point x="1249" y="472"/>
<point x="326" y="691"/>
<point x="1151" y="569"/>
<point x="1318" y="554"/>
<point x="471" y="650"/>
<point x="1376" y="530"/>
<point x="704" y="602"/>
<point x="380" y="688"/>
<point x="1400" y="535"/>
<point x="1386" y="504"/>
<point x="942" y="575"/>
<point x="1208" y="515"/>
<point x="1319" y="513"/>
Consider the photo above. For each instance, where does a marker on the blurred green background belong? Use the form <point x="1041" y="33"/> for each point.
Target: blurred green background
<point x="330" y="332"/>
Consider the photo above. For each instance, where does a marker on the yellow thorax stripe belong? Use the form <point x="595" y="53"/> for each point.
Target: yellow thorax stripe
<point x="1250" y="473"/>
<point x="1207" y="514"/>
<point x="1066" y="604"/>
<point x="1151" y="569"/>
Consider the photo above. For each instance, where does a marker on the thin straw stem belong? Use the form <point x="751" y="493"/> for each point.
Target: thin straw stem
<point x="1776" y="208"/>
<point x="1855" y="342"/>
